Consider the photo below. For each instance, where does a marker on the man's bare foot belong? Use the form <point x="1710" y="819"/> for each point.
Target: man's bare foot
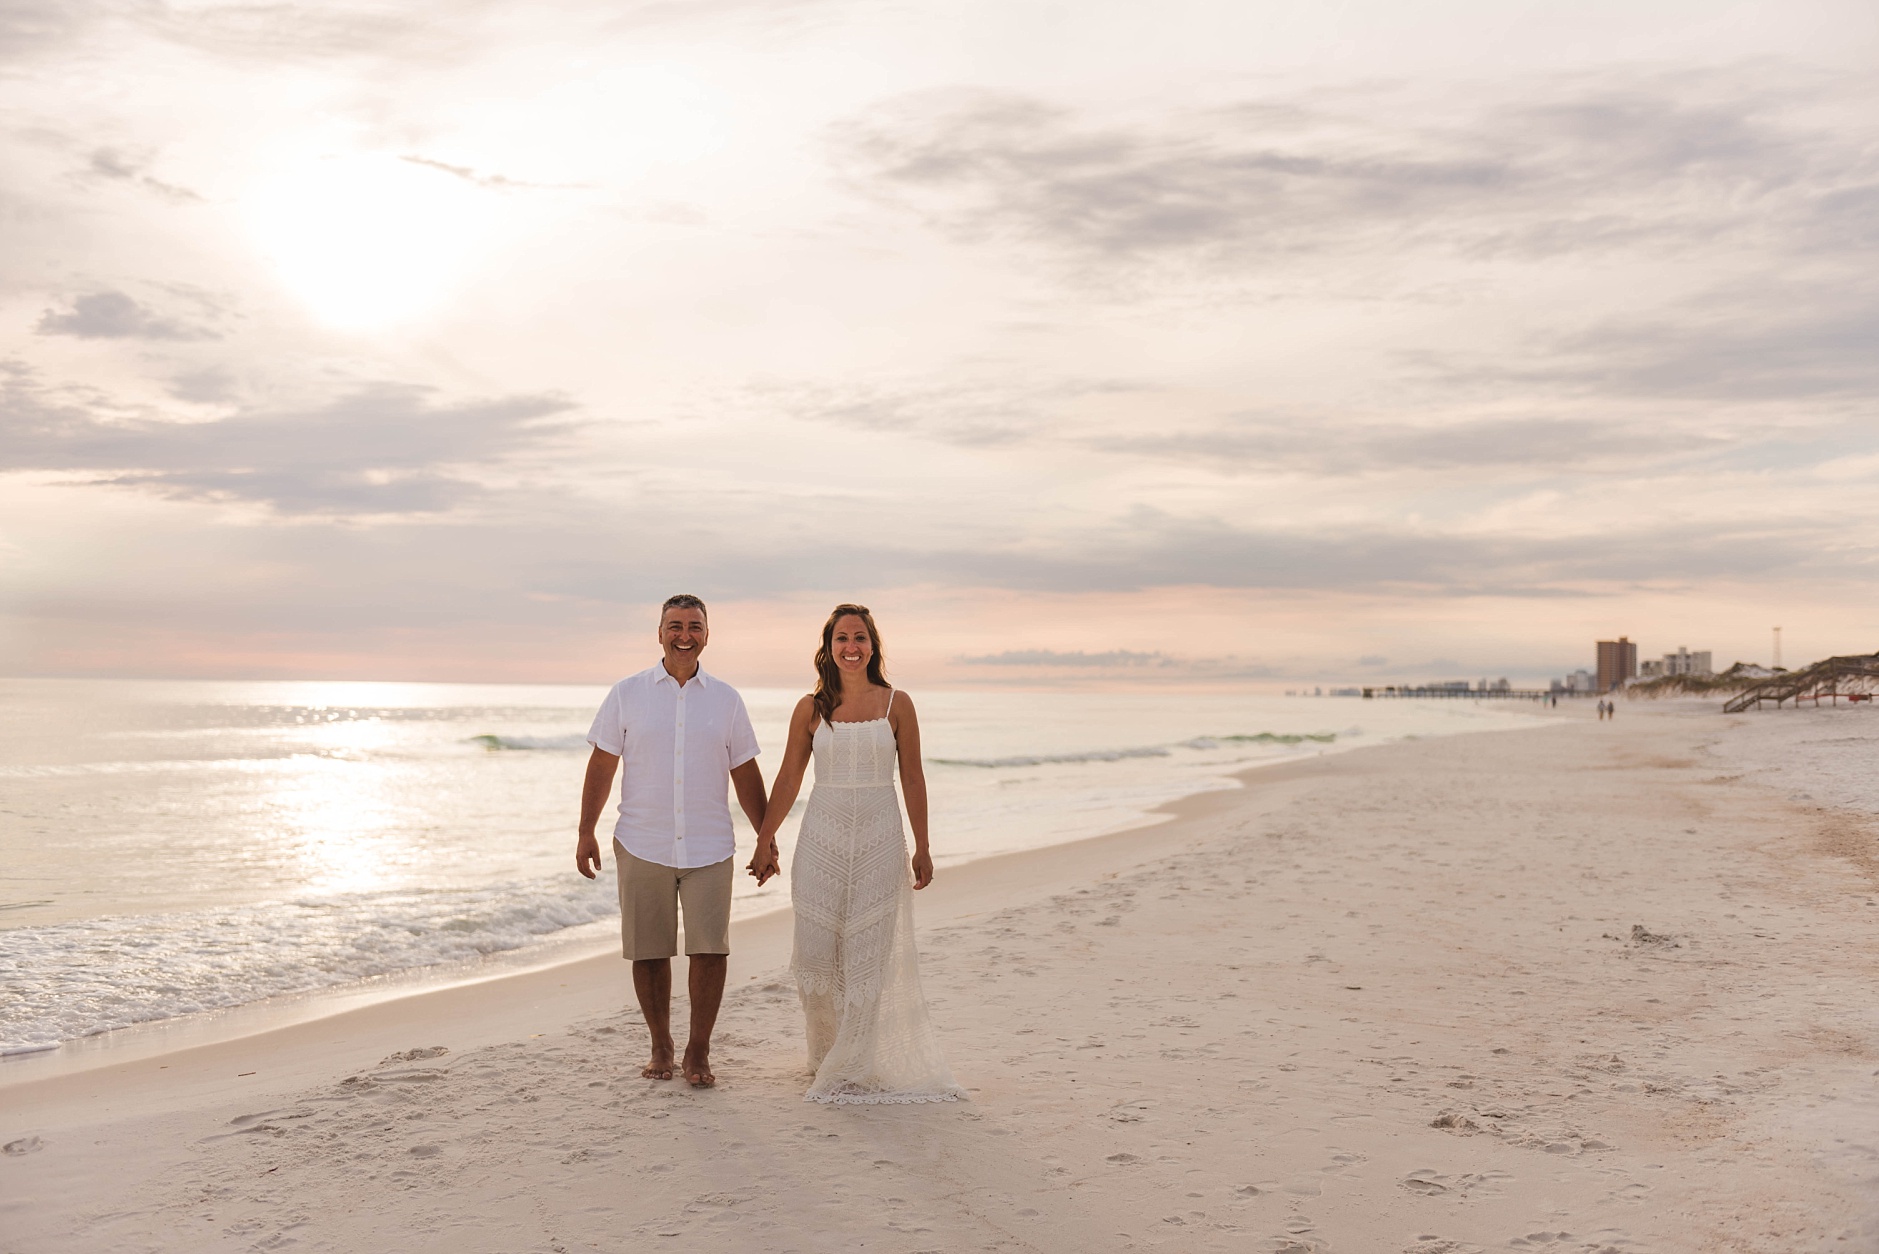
<point x="660" y="1068"/>
<point x="698" y="1066"/>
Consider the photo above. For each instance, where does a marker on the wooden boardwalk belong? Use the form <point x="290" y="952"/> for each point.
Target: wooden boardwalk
<point x="1854" y="677"/>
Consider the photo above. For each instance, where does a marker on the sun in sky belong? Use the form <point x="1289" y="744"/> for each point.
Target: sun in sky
<point x="367" y="240"/>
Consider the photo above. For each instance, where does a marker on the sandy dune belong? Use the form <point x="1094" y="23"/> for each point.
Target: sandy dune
<point x="1571" y="989"/>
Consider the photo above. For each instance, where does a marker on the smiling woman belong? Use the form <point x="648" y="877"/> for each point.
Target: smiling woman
<point x="369" y="240"/>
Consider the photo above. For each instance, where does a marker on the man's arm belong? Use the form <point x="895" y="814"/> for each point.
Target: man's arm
<point x="748" y="780"/>
<point x="796" y="751"/>
<point x="594" y="793"/>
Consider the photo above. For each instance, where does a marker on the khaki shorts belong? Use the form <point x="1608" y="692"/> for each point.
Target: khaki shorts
<point x="650" y="897"/>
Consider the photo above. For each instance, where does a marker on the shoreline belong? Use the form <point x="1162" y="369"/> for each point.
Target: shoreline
<point x="759" y="943"/>
<point x="1586" y="990"/>
<point x="155" y="1038"/>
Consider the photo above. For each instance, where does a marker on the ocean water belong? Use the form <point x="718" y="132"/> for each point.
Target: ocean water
<point x="171" y="849"/>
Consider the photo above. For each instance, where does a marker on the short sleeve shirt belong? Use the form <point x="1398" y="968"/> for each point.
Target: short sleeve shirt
<point x="677" y="745"/>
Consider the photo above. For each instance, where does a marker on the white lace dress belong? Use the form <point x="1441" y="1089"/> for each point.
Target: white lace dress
<point x="854" y="963"/>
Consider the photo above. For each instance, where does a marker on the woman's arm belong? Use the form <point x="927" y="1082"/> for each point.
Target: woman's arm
<point x="906" y="726"/>
<point x="802" y="727"/>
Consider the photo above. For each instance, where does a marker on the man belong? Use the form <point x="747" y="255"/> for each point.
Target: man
<point x="682" y="734"/>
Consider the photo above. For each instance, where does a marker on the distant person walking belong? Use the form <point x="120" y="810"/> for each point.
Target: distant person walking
<point x="851" y="879"/>
<point x="682" y="735"/>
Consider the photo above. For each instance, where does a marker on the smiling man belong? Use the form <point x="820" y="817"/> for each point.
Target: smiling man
<point x="682" y="735"/>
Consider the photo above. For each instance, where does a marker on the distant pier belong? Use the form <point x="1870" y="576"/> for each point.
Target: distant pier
<point x="1440" y="693"/>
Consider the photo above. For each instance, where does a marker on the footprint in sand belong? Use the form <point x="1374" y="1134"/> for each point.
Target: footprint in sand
<point x="242" y="1121"/>
<point x="267" y="1123"/>
<point x="415" y="1055"/>
<point x="1428" y="1182"/>
<point x="25" y="1145"/>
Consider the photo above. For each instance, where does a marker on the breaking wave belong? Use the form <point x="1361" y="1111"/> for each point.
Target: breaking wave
<point x="69" y="980"/>
<point x="497" y="744"/>
<point x="1146" y="751"/>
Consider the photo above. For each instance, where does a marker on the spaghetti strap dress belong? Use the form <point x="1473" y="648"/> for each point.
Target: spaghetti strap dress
<point x="856" y="969"/>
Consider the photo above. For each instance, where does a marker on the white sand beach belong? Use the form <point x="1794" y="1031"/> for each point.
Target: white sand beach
<point x="1589" y="987"/>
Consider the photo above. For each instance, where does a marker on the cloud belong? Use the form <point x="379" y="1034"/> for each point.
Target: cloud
<point x="499" y="182"/>
<point x="1114" y="658"/>
<point x="749" y="555"/>
<point x="963" y="412"/>
<point x="321" y="32"/>
<point x="1326" y="443"/>
<point x="1787" y="338"/>
<point x="1846" y="220"/>
<point x="28" y="27"/>
<point x="1010" y="166"/>
<point x="420" y="32"/>
<point x="771" y="16"/>
<point x="208" y="386"/>
<point x="1147" y="548"/>
<point x="1123" y="664"/>
<point x="111" y="315"/>
<point x="1695" y="236"/>
<point x="1575" y="165"/>
<point x="1313" y="445"/>
<point x="109" y="164"/>
<point x="386" y="449"/>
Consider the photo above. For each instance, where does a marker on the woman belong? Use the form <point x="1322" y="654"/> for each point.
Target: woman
<point x="854" y="963"/>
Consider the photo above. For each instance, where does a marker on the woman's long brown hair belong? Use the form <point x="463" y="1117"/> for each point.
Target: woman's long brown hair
<point x="828" y="675"/>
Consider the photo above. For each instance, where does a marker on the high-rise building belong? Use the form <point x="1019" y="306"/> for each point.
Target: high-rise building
<point x="1617" y="662"/>
<point x="1684" y="662"/>
<point x="1578" y="681"/>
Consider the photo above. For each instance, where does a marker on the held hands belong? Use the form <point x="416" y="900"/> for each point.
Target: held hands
<point x="764" y="863"/>
<point x="922" y="869"/>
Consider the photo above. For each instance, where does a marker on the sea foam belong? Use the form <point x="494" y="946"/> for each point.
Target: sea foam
<point x="70" y="980"/>
<point x="1144" y="751"/>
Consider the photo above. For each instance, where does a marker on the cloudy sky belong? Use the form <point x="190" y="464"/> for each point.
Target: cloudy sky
<point x="1185" y="342"/>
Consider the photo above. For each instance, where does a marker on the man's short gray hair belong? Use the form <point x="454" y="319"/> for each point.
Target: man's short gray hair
<point x="683" y="601"/>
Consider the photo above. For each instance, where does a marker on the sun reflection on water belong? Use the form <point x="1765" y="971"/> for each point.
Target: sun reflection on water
<point x="346" y="810"/>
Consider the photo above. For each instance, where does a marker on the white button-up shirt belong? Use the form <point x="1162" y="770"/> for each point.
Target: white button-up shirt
<point x="677" y="746"/>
